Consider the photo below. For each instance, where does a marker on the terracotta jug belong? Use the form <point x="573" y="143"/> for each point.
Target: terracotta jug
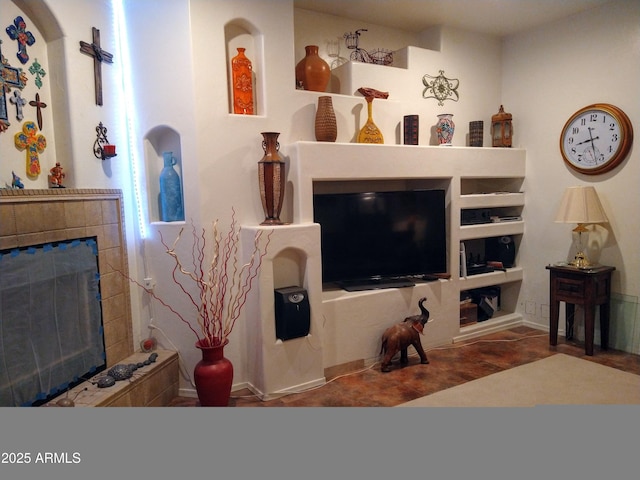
<point x="312" y="72"/>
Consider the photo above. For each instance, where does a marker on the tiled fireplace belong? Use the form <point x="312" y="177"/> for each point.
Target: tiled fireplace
<point x="32" y="217"/>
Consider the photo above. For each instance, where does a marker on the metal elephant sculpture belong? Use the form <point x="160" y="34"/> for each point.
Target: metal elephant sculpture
<point x="398" y="337"/>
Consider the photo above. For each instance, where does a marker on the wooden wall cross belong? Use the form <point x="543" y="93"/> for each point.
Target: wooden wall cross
<point x="39" y="106"/>
<point x="93" y="50"/>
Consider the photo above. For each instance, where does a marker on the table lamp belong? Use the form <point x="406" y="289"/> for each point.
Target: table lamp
<point x="581" y="205"/>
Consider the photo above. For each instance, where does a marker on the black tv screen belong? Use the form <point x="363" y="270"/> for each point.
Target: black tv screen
<point x="370" y="239"/>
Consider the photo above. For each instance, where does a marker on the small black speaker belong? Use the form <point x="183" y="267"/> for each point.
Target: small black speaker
<point x="501" y="249"/>
<point x="293" y="313"/>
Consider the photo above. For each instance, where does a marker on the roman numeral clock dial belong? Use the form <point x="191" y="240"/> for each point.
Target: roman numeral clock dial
<point x="596" y="139"/>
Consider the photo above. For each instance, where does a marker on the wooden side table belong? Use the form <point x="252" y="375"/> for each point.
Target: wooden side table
<point x="577" y="286"/>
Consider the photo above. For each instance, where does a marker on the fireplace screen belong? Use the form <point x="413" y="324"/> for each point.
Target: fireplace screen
<point x="51" y="334"/>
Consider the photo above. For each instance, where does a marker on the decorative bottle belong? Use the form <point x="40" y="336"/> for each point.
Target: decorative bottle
<point x="445" y="128"/>
<point x="326" y="128"/>
<point x="242" y="77"/>
<point x="271" y="179"/>
<point x="370" y="133"/>
<point x="312" y="72"/>
<point x="171" y="206"/>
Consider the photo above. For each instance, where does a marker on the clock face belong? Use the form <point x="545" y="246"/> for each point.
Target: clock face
<point x="596" y="139"/>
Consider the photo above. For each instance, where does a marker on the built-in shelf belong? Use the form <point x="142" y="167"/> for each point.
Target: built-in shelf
<point x="492" y="200"/>
<point x="473" y="177"/>
<point x="500" y="321"/>
<point x="484" y="230"/>
<point x="492" y="278"/>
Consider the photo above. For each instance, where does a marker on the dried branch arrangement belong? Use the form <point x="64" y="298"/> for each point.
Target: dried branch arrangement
<point x="222" y="283"/>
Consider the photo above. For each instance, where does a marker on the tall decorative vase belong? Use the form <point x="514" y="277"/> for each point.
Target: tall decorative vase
<point x="312" y="72"/>
<point x="242" y="77"/>
<point x="370" y="133"/>
<point x="445" y="128"/>
<point x="171" y="206"/>
<point x="213" y="376"/>
<point x="326" y="126"/>
<point x="271" y="179"/>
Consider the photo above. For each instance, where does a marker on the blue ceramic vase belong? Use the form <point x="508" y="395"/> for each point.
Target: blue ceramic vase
<point x="171" y="205"/>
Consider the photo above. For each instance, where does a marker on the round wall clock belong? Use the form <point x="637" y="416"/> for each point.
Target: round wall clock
<point x="596" y="139"/>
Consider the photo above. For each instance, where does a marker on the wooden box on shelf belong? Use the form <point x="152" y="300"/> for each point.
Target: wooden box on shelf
<point x="468" y="313"/>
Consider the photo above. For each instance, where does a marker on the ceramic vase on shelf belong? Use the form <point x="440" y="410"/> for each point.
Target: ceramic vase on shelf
<point x="445" y="128"/>
<point x="370" y="133"/>
<point x="171" y="202"/>
<point x="213" y="376"/>
<point x="271" y="179"/>
<point x="312" y="72"/>
<point x="242" y="78"/>
<point x="326" y="128"/>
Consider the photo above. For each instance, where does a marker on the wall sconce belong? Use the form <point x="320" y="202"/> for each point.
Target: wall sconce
<point x="501" y="128"/>
<point x="101" y="148"/>
<point x="581" y="205"/>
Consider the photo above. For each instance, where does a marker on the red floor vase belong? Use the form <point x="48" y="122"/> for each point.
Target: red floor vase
<point x="213" y="376"/>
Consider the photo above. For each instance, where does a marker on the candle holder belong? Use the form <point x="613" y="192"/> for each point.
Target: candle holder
<point x="102" y="148"/>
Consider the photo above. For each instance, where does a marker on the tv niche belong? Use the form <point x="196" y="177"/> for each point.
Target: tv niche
<point x="381" y="239"/>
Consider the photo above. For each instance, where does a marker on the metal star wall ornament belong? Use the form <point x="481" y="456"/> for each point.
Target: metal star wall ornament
<point x="440" y="88"/>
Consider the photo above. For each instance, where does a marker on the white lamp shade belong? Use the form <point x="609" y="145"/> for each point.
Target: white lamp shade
<point x="581" y="205"/>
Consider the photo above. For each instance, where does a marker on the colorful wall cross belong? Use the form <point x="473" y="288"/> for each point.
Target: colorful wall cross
<point x="9" y="77"/>
<point x="99" y="56"/>
<point x="19" y="102"/>
<point x="34" y="144"/>
<point x="18" y="32"/>
<point x="37" y="70"/>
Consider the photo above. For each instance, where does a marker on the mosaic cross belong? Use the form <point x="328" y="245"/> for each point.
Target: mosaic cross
<point x="19" y="102"/>
<point x="39" y="106"/>
<point x="18" y="32"/>
<point x="9" y="77"/>
<point x="37" y="70"/>
<point x="34" y="144"/>
<point x="99" y="56"/>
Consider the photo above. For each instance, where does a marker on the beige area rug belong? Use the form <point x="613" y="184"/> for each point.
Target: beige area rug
<point x="557" y="380"/>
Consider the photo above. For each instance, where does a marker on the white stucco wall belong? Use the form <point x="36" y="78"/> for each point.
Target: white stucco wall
<point x="179" y="69"/>
<point x="548" y="74"/>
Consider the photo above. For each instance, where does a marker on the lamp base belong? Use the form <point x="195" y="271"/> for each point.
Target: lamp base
<point x="581" y="261"/>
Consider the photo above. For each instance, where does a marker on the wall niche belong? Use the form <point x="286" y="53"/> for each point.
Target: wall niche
<point x="159" y="140"/>
<point x="242" y="34"/>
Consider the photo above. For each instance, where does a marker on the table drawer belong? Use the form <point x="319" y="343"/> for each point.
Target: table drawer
<point x="569" y="287"/>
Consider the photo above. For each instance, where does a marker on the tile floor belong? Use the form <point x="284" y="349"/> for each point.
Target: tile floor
<point x="449" y="366"/>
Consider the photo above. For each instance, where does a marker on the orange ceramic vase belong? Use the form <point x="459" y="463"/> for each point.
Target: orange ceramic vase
<point x="312" y="72"/>
<point x="242" y="74"/>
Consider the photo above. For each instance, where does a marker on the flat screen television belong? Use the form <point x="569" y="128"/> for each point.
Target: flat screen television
<point x="381" y="239"/>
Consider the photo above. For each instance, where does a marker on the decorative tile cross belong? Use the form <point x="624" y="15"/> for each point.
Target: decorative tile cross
<point x="37" y="70"/>
<point x="19" y="102"/>
<point x="34" y="144"/>
<point x="99" y="56"/>
<point x="18" y="32"/>
<point x="9" y="77"/>
<point x="39" y="106"/>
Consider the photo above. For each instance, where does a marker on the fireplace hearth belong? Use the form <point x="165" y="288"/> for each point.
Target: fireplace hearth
<point x="42" y="216"/>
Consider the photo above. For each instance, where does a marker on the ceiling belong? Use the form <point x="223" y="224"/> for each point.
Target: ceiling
<point x="496" y="17"/>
